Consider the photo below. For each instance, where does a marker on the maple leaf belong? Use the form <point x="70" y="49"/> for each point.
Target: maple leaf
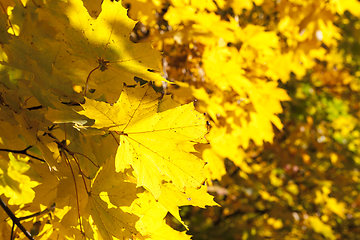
<point x="109" y="192"/>
<point x="14" y="183"/>
<point x="152" y="223"/>
<point x="144" y="11"/>
<point x="104" y="43"/>
<point x="321" y="227"/>
<point x="94" y="209"/>
<point x="87" y="52"/>
<point x="157" y="145"/>
<point x="4" y="35"/>
<point x="171" y="199"/>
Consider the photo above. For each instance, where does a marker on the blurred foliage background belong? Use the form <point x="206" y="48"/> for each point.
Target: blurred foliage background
<point x="279" y="82"/>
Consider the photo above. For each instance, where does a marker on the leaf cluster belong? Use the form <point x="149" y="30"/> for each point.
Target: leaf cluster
<point x="278" y="81"/>
<point x="86" y="151"/>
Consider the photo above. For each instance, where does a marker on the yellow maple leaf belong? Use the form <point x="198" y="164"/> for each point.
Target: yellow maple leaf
<point x="109" y="193"/>
<point x="340" y="7"/>
<point x="321" y="227"/>
<point x="152" y="225"/>
<point x="14" y="183"/>
<point x="87" y="52"/>
<point x="215" y="168"/>
<point x="331" y="204"/>
<point x="157" y="145"/>
<point x="144" y="10"/>
<point x="171" y="199"/>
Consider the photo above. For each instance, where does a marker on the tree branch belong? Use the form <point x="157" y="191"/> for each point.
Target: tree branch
<point x="15" y="219"/>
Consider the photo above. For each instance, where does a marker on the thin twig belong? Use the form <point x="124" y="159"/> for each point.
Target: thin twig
<point x="12" y="237"/>
<point x="35" y="214"/>
<point x="24" y="151"/>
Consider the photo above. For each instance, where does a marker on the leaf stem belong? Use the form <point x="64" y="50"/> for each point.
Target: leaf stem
<point x="82" y="174"/>
<point x="76" y="192"/>
<point x="87" y="79"/>
<point x="118" y="143"/>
